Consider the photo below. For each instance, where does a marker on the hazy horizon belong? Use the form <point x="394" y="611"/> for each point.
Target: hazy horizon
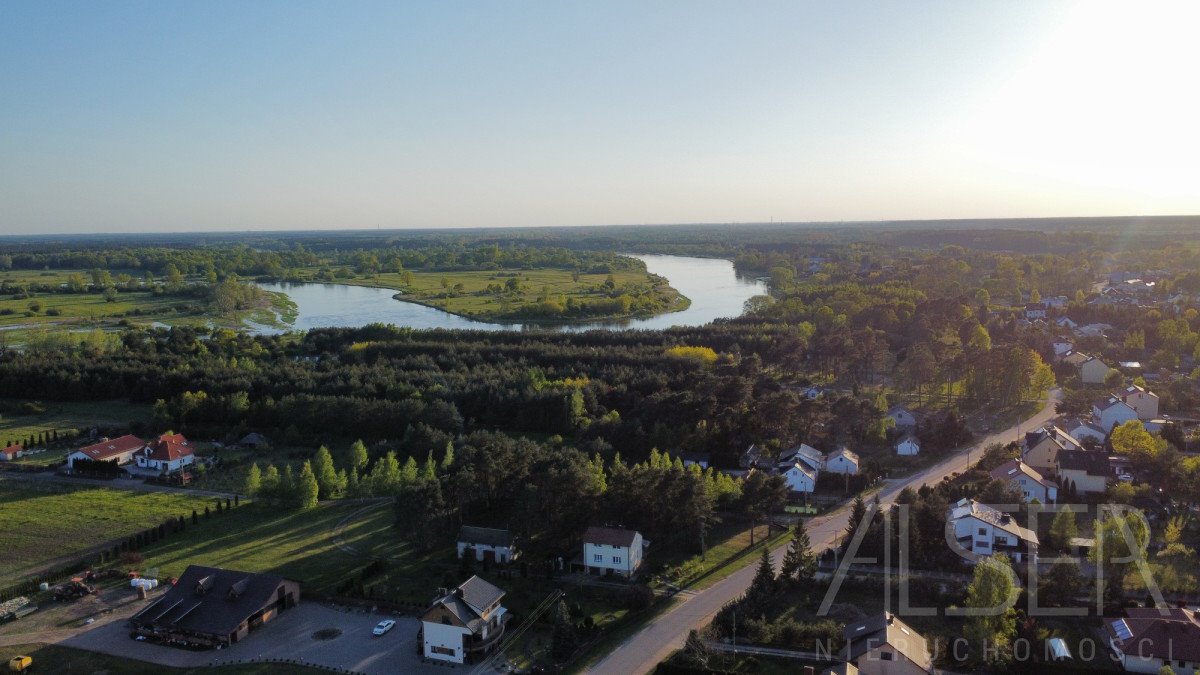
<point x="227" y="117"/>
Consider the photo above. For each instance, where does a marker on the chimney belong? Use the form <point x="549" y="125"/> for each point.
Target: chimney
<point x="458" y="593"/>
<point x="1005" y="518"/>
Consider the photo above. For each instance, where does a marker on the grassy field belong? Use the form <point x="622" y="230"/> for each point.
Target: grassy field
<point x="474" y="300"/>
<point x="41" y="521"/>
<point x="729" y="550"/>
<point x="71" y="661"/>
<point x="16" y="425"/>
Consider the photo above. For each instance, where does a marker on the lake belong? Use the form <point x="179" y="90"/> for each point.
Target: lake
<point x="715" y="290"/>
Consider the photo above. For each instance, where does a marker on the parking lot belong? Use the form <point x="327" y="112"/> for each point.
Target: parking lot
<point x="290" y="638"/>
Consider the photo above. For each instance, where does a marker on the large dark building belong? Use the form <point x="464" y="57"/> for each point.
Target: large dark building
<point x="210" y="607"/>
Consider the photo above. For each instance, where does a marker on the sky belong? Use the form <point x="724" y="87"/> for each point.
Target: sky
<point x="129" y="116"/>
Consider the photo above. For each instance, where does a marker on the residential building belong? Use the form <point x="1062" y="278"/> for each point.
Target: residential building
<point x="1066" y="322"/>
<point x="487" y="543"/>
<point x="698" y="458"/>
<point x="904" y="418"/>
<point x="843" y="461"/>
<point x="1035" y="310"/>
<point x="1093" y="330"/>
<point x="1075" y="359"/>
<point x="1093" y="371"/>
<point x="1143" y="402"/>
<point x="1041" y="447"/>
<point x="1062" y="348"/>
<point x="212" y="607"/>
<point x="121" y="450"/>
<point x="807" y="455"/>
<point x="465" y="624"/>
<point x="167" y="454"/>
<point x="800" y="478"/>
<point x="750" y="457"/>
<point x="609" y="550"/>
<point x="1112" y="411"/>
<point x="908" y="444"/>
<point x="11" y="452"/>
<point x="1148" y="639"/>
<point x="1087" y="471"/>
<point x="982" y="530"/>
<point x="1026" y="479"/>
<point x="1081" y="430"/>
<point x="884" y="645"/>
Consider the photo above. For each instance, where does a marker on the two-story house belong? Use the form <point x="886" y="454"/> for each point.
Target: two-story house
<point x="610" y="550"/>
<point x="884" y="645"/>
<point x="1112" y="411"/>
<point x="1093" y="371"/>
<point x="981" y="530"/>
<point x="1084" y="471"/>
<point x="800" y="478"/>
<point x="843" y="461"/>
<point x="1143" y="402"/>
<point x="1031" y="483"/>
<point x="1041" y="447"/>
<point x="465" y="624"/>
<point x="167" y="454"/>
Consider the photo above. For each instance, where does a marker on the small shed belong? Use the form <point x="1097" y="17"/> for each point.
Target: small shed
<point x="254" y="440"/>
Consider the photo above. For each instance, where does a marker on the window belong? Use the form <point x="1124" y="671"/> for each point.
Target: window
<point x="446" y="651"/>
<point x="598" y="557"/>
<point x="885" y="656"/>
<point x="616" y="560"/>
<point x="983" y="530"/>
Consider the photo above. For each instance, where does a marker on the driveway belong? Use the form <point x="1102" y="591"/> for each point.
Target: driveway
<point x="289" y="638"/>
<point x="655" y="641"/>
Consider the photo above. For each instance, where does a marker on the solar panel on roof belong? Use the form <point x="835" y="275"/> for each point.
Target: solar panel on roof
<point x="1122" y="629"/>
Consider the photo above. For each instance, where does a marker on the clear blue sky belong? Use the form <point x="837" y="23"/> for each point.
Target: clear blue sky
<point x="137" y="116"/>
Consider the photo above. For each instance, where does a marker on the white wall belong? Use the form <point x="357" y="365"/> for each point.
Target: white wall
<point x="631" y="557"/>
<point x="443" y="635"/>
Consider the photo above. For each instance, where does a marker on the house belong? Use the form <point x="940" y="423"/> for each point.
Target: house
<point x="1093" y="371"/>
<point x="170" y="453"/>
<point x="814" y="392"/>
<point x="1075" y="359"/>
<point x="609" y="550"/>
<point x="254" y="441"/>
<point x="908" y="445"/>
<point x="884" y="645"/>
<point x="904" y="418"/>
<point x="11" y="452"/>
<point x="1041" y="447"/>
<point x="807" y="455"/>
<point x="1062" y="348"/>
<point x="800" y="478"/>
<point x="1031" y="483"/>
<point x="1035" y="310"/>
<point x="488" y="543"/>
<point x="1066" y="322"/>
<point x="121" y="450"/>
<point x="1093" y="329"/>
<point x="843" y="461"/>
<point x="212" y="607"/>
<point x="1144" y="403"/>
<point x="750" y="457"/>
<point x="1055" y="301"/>
<point x="1081" y="430"/>
<point x="1087" y="471"/>
<point x="465" y="624"/>
<point x="1112" y="411"/>
<point x="1147" y="639"/>
<point x="698" y="458"/>
<point x="982" y="530"/>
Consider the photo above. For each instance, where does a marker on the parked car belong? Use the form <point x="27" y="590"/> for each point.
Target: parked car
<point x="383" y="626"/>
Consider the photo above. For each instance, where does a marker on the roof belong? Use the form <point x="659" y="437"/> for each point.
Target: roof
<point x="609" y="535"/>
<point x="470" y="601"/>
<point x="867" y="634"/>
<point x="805" y="453"/>
<point x="849" y="454"/>
<point x="1090" y="462"/>
<point x="105" y="450"/>
<point x="909" y="437"/>
<point x="253" y="438"/>
<point x="1135" y="389"/>
<point x="210" y="600"/>
<point x="899" y="410"/>
<point x="964" y="508"/>
<point x="490" y="536"/>
<point x="1014" y="467"/>
<point x="14" y="448"/>
<point x="169" y="448"/>
<point x="1158" y="633"/>
<point x="1076" y="358"/>
<point x="1074" y="425"/>
<point x="802" y="468"/>
<point x="1110" y="402"/>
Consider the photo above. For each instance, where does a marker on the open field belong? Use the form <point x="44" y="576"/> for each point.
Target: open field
<point x="41" y="522"/>
<point x="474" y="300"/>
<point x="63" y="417"/>
<point x="69" y="661"/>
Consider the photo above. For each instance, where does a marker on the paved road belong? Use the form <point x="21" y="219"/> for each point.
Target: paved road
<point x="645" y="649"/>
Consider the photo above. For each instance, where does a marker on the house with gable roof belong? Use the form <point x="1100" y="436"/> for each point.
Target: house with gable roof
<point x="882" y="644"/>
<point x="465" y="624"/>
<point x="1112" y="411"/>
<point x="120" y="450"/>
<point x="167" y="454"/>
<point x="1026" y="479"/>
<point x="611" y="550"/>
<point x="983" y="530"/>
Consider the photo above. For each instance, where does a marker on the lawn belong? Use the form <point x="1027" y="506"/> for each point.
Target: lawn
<point x="65" y="418"/>
<point x="41" y="521"/>
<point x="68" y="661"/>
<point x="729" y="550"/>
<point x="473" y="299"/>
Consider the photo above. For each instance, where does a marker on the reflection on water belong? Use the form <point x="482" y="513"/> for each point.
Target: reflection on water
<point x="711" y="284"/>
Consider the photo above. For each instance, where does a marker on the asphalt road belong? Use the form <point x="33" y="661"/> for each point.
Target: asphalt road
<point x="645" y="649"/>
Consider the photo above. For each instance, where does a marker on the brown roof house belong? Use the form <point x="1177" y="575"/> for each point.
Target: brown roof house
<point x="884" y="645"/>
<point x="610" y="550"/>
<point x="1148" y="639"/>
<point x="465" y="624"/>
<point x="212" y="607"/>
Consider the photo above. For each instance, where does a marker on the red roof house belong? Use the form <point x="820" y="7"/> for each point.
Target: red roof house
<point x="169" y="453"/>
<point x="120" y="449"/>
<point x="11" y="452"/>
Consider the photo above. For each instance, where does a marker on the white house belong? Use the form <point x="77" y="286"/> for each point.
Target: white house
<point x="11" y="452"/>
<point x="1112" y="411"/>
<point x="170" y="453"/>
<point x="609" y="550"/>
<point x="903" y="417"/>
<point x="1144" y="403"/>
<point x="488" y="543"/>
<point x="1148" y="639"/>
<point x="884" y="645"/>
<point x="1083" y="429"/>
<point x="120" y="449"/>
<point x="1093" y="371"/>
<point x="1031" y="483"/>
<point x="983" y="530"/>
<point x="465" y="624"/>
<point x="804" y="453"/>
<point x="800" y="478"/>
<point x="842" y="461"/>
<point x="908" y="445"/>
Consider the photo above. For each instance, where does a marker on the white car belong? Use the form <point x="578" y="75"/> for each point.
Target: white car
<point x="383" y="626"/>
